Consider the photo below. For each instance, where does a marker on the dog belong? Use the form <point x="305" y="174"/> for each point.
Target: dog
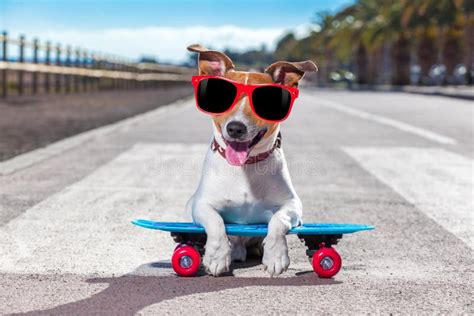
<point x="245" y="178"/>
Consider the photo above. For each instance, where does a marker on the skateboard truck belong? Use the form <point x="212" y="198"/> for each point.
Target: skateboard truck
<point x="198" y="241"/>
<point x="315" y="242"/>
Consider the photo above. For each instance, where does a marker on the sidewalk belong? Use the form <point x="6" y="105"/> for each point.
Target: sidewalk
<point x="460" y="92"/>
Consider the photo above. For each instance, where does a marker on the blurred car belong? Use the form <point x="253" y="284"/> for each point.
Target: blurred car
<point x="342" y="76"/>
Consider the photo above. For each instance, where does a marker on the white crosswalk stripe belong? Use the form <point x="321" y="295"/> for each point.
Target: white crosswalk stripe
<point x="436" y="181"/>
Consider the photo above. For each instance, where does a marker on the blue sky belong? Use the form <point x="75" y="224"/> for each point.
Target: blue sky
<point x="161" y="28"/>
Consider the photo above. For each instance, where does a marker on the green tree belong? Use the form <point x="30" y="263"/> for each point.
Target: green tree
<point x="358" y="36"/>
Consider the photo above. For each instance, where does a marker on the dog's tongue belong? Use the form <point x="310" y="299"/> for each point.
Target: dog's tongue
<point x="237" y="153"/>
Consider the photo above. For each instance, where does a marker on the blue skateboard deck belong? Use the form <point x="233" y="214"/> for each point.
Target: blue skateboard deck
<point x="254" y="230"/>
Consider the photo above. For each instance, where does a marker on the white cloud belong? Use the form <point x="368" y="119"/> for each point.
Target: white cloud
<point x="167" y="43"/>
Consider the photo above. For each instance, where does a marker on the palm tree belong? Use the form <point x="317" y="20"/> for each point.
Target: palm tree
<point x="350" y="38"/>
<point x="346" y="41"/>
<point x="369" y="24"/>
<point x="417" y="17"/>
<point x="387" y="27"/>
<point x="426" y="52"/>
<point x="321" y="47"/>
<point x="467" y="21"/>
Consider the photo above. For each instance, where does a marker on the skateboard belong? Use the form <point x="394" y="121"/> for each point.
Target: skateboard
<point x="318" y="238"/>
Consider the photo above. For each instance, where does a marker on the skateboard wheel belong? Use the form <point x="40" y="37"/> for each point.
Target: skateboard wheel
<point x="186" y="261"/>
<point x="326" y="262"/>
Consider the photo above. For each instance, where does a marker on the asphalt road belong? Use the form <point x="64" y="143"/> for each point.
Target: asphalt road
<point x="401" y="162"/>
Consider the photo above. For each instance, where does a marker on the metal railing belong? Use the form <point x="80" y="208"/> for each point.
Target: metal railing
<point x="48" y="68"/>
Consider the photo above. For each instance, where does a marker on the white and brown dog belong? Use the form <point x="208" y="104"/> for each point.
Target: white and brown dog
<point x="245" y="177"/>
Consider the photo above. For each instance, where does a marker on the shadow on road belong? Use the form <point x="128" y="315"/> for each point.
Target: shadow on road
<point x="129" y="294"/>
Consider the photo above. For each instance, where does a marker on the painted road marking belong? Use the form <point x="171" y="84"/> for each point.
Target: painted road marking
<point x="438" y="182"/>
<point x="86" y="228"/>
<point x="35" y="156"/>
<point x="432" y="136"/>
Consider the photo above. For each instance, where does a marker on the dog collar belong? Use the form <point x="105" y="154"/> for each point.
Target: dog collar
<point x="215" y="146"/>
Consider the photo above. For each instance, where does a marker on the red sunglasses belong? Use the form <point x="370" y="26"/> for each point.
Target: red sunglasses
<point x="217" y="95"/>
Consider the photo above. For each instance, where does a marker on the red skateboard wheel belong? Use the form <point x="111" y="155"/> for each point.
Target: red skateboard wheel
<point x="326" y="262"/>
<point x="186" y="261"/>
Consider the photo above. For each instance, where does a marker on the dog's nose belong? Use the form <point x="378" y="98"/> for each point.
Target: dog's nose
<point x="236" y="129"/>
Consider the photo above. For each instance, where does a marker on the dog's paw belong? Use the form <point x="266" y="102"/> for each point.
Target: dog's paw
<point x="275" y="255"/>
<point x="217" y="256"/>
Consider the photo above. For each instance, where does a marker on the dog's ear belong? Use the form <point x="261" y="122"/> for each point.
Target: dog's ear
<point x="211" y="62"/>
<point x="290" y="73"/>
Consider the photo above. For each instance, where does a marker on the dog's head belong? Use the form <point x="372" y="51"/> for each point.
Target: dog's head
<point x="241" y="130"/>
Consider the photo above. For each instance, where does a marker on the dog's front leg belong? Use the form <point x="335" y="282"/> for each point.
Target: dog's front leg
<point x="217" y="256"/>
<point x="275" y="250"/>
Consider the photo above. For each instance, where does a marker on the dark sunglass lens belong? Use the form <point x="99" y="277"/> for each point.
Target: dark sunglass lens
<point x="215" y="95"/>
<point x="271" y="103"/>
